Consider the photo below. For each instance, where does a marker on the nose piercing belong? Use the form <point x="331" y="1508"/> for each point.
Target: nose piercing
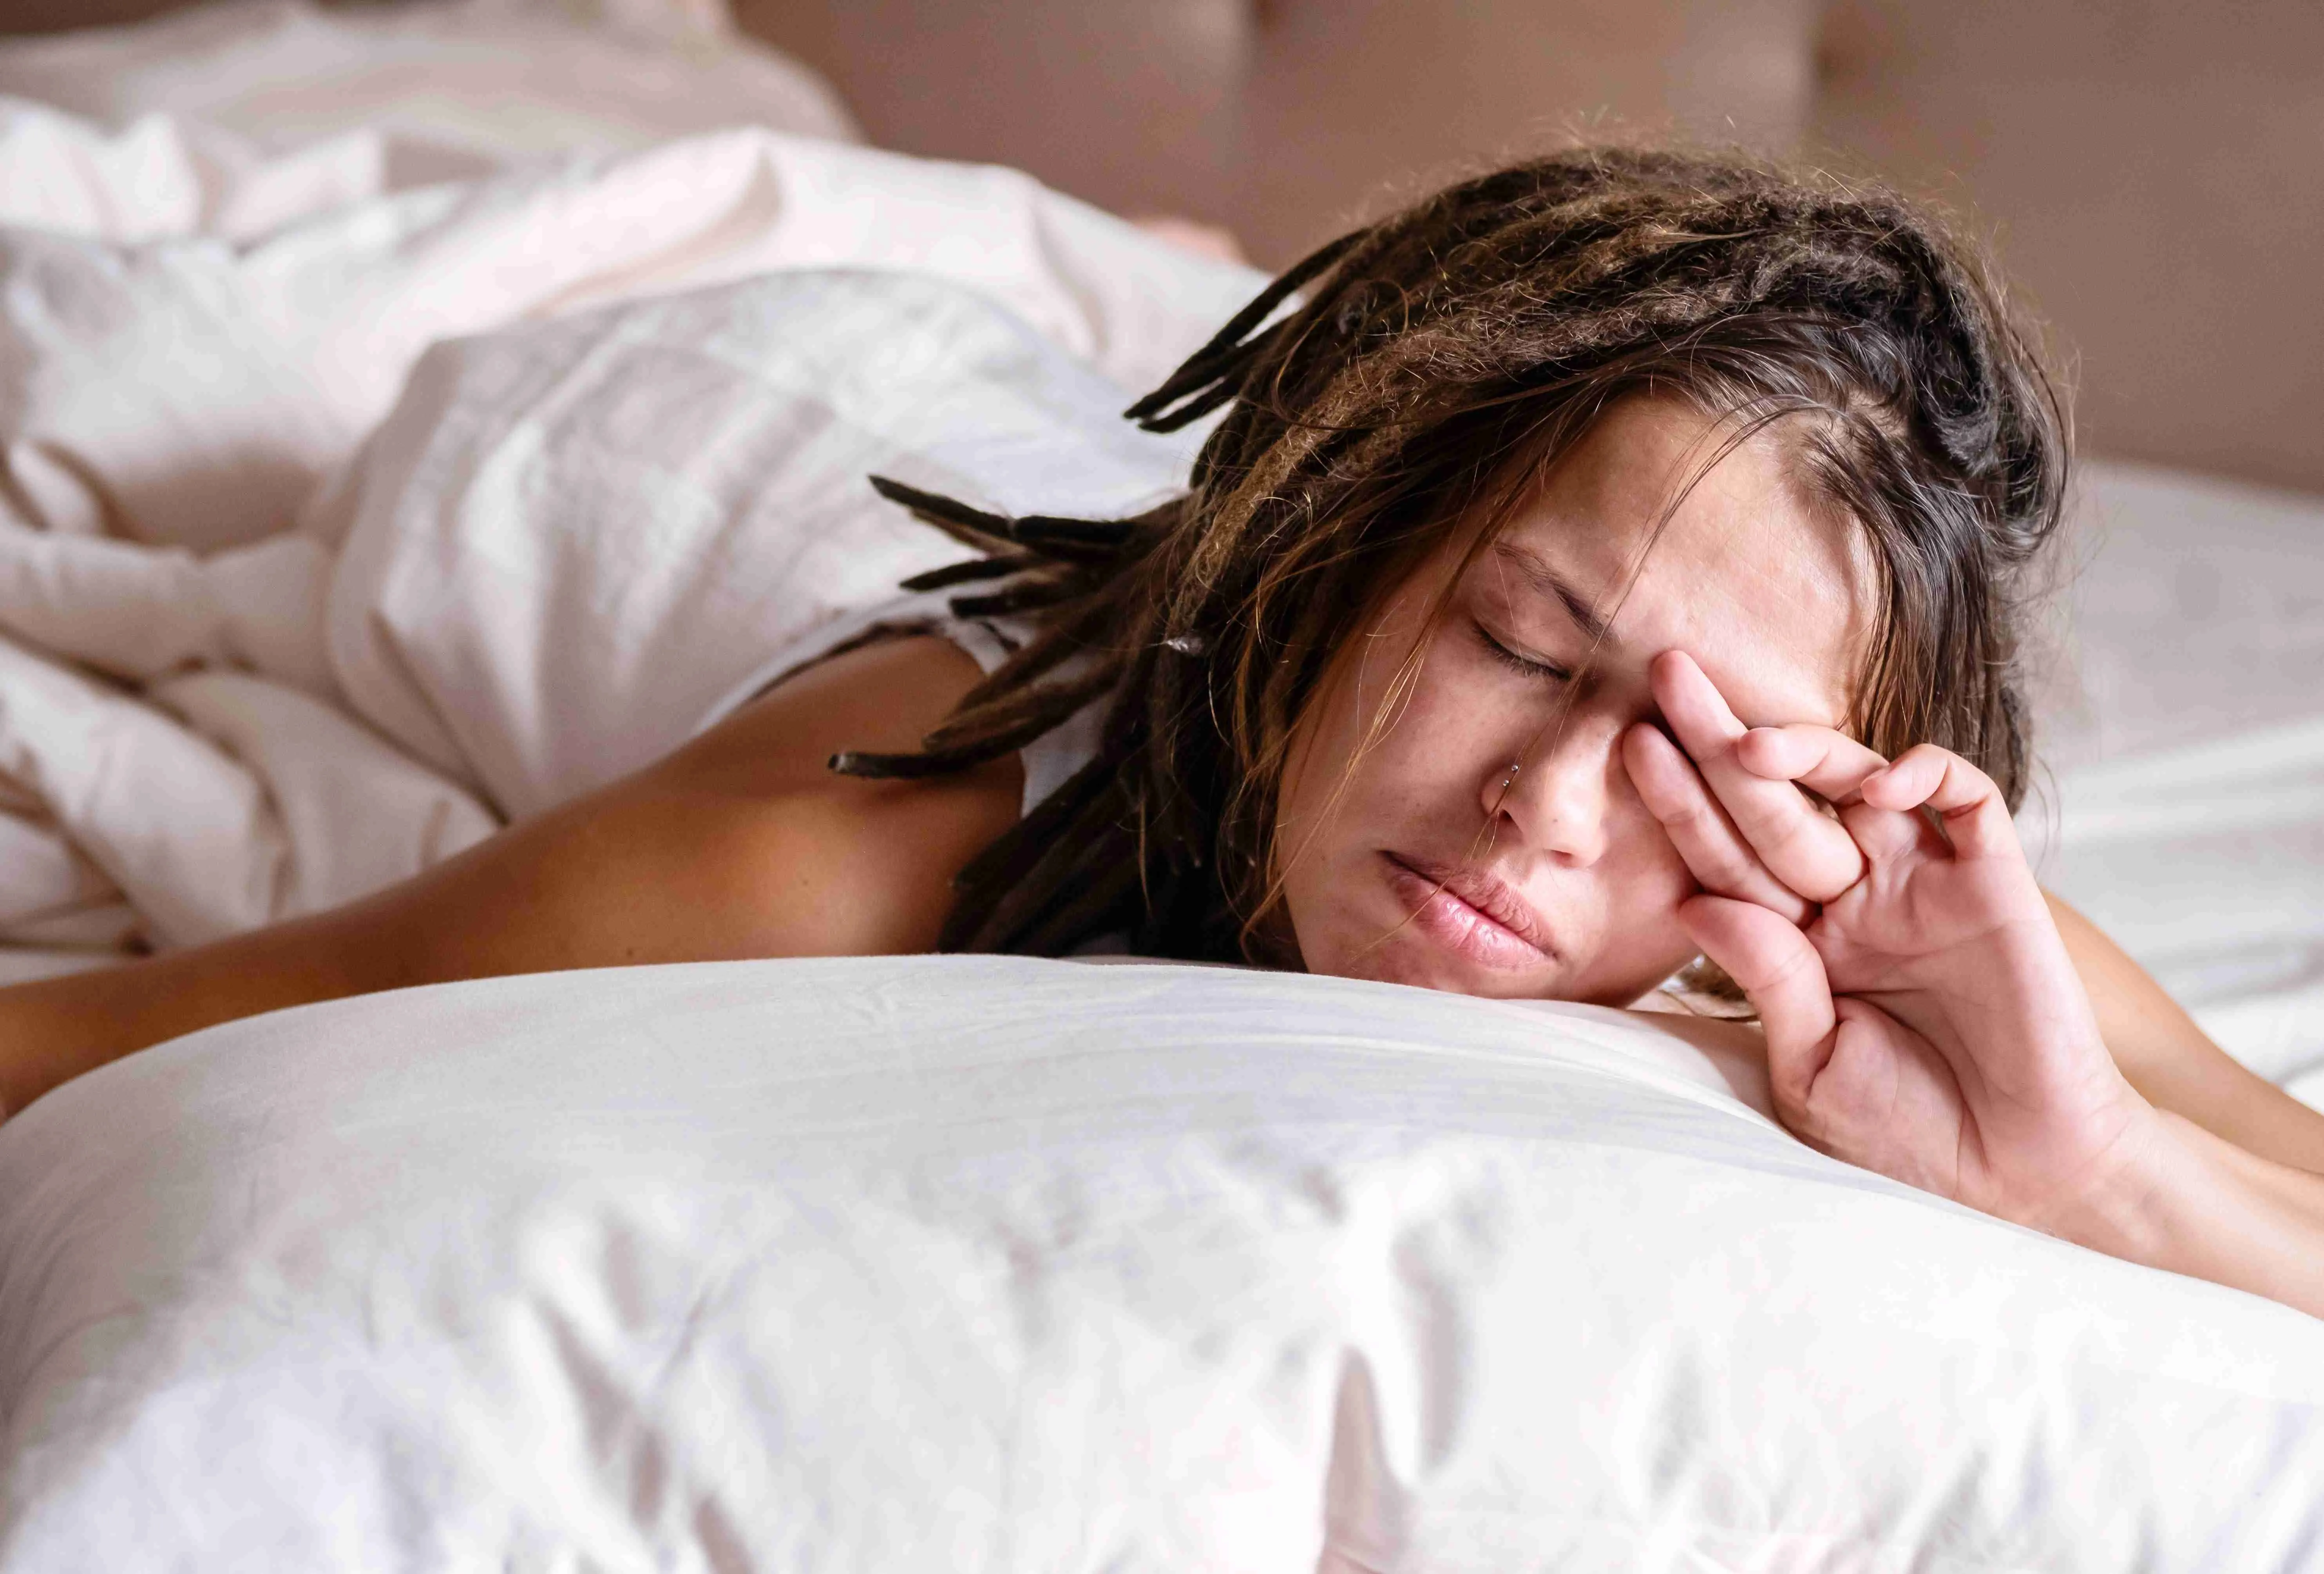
<point x="1510" y="779"/>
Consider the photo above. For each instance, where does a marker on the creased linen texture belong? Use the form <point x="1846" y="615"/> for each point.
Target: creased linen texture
<point x="307" y="651"/>
<point x="993" y="1263"/>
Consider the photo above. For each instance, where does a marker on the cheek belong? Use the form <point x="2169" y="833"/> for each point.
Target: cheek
<point x="1341" y="802"/>
<point x="1419" y="787"/>
<point x="1449" y="734"/>
<point x="1644" y="889"/>
<point x="1329" y="765"/>
<point x="1643" y="880"/>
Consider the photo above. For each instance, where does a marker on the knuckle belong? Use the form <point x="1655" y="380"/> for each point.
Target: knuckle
<point x="1691" y="817"/>
<point x="1794" y="959"/>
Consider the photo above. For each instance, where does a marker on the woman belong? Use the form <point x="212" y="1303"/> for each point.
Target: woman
<point x="1578" y="551"/>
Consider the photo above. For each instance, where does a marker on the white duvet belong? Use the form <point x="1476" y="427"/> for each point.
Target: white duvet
<point x="989" y="1263"/>
<point x="261" y="652"/>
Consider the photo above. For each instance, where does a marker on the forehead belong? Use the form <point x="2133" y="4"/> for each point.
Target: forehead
<point x="1768" y="590"/>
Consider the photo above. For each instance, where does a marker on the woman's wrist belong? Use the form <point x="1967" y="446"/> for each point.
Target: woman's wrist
<point x="2190" y="1202"/>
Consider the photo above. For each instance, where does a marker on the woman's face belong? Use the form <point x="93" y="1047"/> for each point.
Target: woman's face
<point x="1563" y="886"/>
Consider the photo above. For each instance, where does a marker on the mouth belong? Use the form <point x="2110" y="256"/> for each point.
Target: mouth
<point x="1472" y="912"/>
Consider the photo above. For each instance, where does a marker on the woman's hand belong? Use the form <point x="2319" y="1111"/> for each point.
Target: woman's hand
<point x="1922" y="1017"/>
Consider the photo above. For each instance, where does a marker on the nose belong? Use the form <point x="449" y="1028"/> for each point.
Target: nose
<point x="1557" y="800"/>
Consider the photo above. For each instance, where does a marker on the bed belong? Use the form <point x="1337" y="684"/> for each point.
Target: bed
<point x="391" y="460"/>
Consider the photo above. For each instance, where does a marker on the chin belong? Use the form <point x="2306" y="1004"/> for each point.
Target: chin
<point x="1485" y="985"/>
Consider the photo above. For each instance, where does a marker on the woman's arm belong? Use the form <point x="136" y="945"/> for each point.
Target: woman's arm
<point x="2157" y="1046"/>
<point x="2195" y="1203"/>
<point x="741" y="844"/>
<point x="1923" y="1014"/>
<point x="2176" y="1065"/>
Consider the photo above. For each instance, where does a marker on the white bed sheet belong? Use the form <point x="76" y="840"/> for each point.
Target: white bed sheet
<point x="992" y="1264"/>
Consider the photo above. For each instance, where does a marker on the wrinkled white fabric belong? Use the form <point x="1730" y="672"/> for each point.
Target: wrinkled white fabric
<point x="991" y="1264"/>
<point x="576" y="532"/>
<point x="193" y="392"/>
<point x="160" y="177"/>
<point x="569" y="542"/>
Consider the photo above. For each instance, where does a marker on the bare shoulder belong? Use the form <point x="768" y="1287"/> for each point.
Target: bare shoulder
<point x="739" y="845"/>
<point x="742" y="843"/>
<point x="883" y="697"/>
<point x="789" y="859"/>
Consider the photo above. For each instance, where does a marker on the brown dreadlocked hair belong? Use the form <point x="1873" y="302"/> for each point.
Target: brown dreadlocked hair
<point x="1378" y="394"/>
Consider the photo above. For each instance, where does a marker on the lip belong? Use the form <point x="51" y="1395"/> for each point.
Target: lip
<point x="1473" y="911"/>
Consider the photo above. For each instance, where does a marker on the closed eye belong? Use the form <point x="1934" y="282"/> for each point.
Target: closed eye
<point x="1515" y="662"/>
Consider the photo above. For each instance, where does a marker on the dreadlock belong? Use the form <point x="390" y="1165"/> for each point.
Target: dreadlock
<point x="1373" y="396"/>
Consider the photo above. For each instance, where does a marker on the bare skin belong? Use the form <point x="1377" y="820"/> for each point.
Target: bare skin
<point x="1764" y="589"/>
<point x="1596" y="772"/>
<point x="1661" y="816"/>
<point x="1924" y="1016"/>
<point x="739" y="845"/>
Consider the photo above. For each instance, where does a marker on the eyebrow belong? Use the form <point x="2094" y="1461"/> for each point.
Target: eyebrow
<point x="1548" y="581"/>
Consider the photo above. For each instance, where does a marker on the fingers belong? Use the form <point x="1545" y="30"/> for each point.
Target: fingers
<point x="1886" y="835"/>
<point x="1822" y="759"/>
<point x="1966" y="800"/>
<point x="1715" y="853"/>
<point x="1804" y="848"/>
<point x="1784" y="978"/>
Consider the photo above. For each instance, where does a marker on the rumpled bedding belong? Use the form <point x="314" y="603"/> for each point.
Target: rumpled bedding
<point x="264" y="646"/>
<point x="989" y="1263"/>
<point x="346" y="513"/>
<point x="268" y="646"/>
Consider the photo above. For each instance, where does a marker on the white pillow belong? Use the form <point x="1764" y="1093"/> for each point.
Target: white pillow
<point x="993" y="1263"/>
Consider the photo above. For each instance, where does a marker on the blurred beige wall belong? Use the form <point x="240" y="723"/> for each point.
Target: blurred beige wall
<point x="57" y="15"/>
<point x="1129" y="102"/>
<point x="1291" y="118"/>
<point x="1353" y="103"/>
<point x="2154" y="169"/>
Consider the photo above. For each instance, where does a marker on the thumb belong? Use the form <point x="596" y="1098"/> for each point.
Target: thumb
<point x="1783" y="977"/>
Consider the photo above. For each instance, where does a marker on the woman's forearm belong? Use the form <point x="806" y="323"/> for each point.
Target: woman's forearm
<point x="567" y="889"/>
<point x="2204" y="1207"/>
<point x="463" y="918"/>
<point x="2174" y="1064"/>
<point x="53" y="1030"/>
<point x="740" y="845"/>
